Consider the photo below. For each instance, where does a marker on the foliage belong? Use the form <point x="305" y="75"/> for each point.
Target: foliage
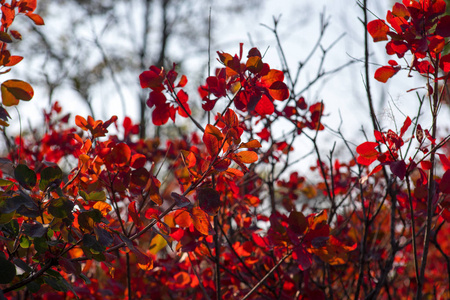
<point x="89" y="212"/>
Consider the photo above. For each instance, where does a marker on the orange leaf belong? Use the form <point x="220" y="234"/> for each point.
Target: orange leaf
<point x="14" y="90"/>
<point x="37" y="19"/>
<point x="103" y="207"/>
<point x="247" y="157"/>
<point x="271" y="77"/>
<point x="200" y="219"/>
<point x="251" y="144"/>
<point x="182" y="218"/>
<point x="254" y="64"/>
<point x="279" y="91"/>
<point x="234" y="172"/>
<point x="14" y="60"/>
<point x="382" y="74"/>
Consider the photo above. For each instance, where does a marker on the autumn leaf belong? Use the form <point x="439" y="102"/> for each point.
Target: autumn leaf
<point x="200" y="221"/>
<point x="367" y="153"/>
<point x="382" y="74"/>
<point x="208" y="200"/>
<point x="14" y="90"/>
<point x="246" y="157"/>
<point x="279" y="90"/>
<point x="212" y="139"/>
<point x="378" y="30"/>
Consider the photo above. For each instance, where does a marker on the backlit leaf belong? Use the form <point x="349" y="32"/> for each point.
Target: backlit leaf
<point x="133" y="213"/>
<point x="37" y="19"/>
<point x="378" y="30"/>
<point x="382" y="74"/>
<point x="246" y="157"/>
<point x="200" y="220"/>
<point x="251" y="144"/>
<point x="279" y="90"/>
<point x="14" y="90"/>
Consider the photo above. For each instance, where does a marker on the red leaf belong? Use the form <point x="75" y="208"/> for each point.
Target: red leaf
<point x="405" y="126"/>
<point x="378" y="30"/>
<point x="254" y="64"/>
<point x="120" y="155"/>
<point x="152" y="79"/>
<point x="16" y="34"/>
<point x="264" y="134"/>
<point x="156" y="98"/>
<point x="444" y="63"/>
<point x="132" y="211"/>
<point x="279" y="91"/>
<point x="445" y="161"/>
<point x="303" y="258"/>
<point x="444" y="184"/>
<point x="161" y="114"/>
<point x="443" y="26"/>
<point x="212" y="138"/>
<point x="264" y="106"/>
<point x="382" y="74"/>
<point x="436" y="44"/>
<point x="180" y="200"/>
<point x="367" y="153"/>
<point x="254" y="52"/>
<point x="251" y="144"/>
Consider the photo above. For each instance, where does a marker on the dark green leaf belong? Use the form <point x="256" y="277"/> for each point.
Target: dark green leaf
<point x="40" y="244"/>
<point x="50" y="176"/>
<point x="61" y="208"/>
<point x="8" y="270"/>
<point x="90" y="242"/>
<point x="25" y="176"/>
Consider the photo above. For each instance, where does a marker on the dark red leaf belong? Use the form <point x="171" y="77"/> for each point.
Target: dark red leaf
<point x="398" y="168"/>
<point x="208" y="200"/>
<point x="444" y="184"/>
<point x="443" y="26"/>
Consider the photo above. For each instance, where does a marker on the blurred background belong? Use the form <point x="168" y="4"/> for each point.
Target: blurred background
<point x="89" y="54"/>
